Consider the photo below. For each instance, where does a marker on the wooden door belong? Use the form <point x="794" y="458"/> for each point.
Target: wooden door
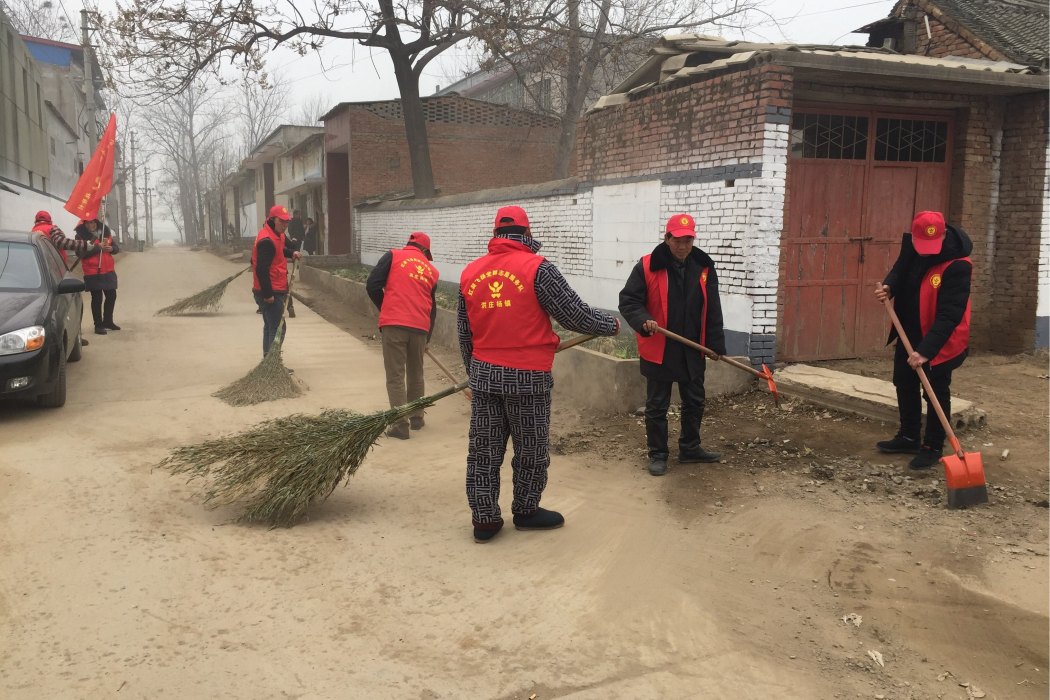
<point x="855" y="180"/>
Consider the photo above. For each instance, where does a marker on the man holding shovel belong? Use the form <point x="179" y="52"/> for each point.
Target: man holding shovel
<point x="930" y="287"/>
<point x="674" y="287"/>
<point x="270" y="271"/>
<point x="402" y="285"/>
<point x="506" y="302"/>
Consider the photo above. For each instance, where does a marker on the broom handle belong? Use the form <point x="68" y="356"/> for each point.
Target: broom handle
<point x="444" y="369"/>
<point x="287" y="299"/>
<point x="925" y="381"/>
<point x="573" y="342"/>
<point x="709" y="352"/>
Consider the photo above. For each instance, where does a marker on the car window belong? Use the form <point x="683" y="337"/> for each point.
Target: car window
<point x="19" y="267"/>
<point x="54" y="261"/>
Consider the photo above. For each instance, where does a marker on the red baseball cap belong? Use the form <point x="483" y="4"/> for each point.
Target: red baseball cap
<point x="423" y="241"/>
<point x="927" y="232"/>
<point x="279" y="211"/>
<point x="511" y="216"/>
<point x="681" y="225"/>
<point x="42" y="217"/>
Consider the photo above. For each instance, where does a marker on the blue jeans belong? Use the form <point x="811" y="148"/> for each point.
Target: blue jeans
<point x="271" y="314"/>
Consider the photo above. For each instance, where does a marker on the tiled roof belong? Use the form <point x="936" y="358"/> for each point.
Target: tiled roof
<point x="1019" y="29"/>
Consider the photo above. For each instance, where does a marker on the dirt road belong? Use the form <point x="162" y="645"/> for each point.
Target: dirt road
<point x="723" y="582"/>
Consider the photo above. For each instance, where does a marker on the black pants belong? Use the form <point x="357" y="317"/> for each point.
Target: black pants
<point x="103" y="314"/>
<point x="909" y="400"/>
<point x="657" y="400"/>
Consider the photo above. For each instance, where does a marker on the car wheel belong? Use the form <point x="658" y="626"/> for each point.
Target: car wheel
<point x="76" y="353"/>
<point x="56" y="398"/>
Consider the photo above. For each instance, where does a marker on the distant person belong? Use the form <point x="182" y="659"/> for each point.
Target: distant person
<point x="506" y="301"/>
<point x="100" y="274"/>
<point x="930" y="287"/>
<point x="402" y="285"/>
<point x="296" y="230"/>
<point x="310" y="237"/>
<point x="674" y="287"/>
<point x="270" y="255"/>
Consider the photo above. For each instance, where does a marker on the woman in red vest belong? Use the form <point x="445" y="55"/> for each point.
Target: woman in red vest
<point x="506" y="301"/>
<point x="930" y="287"/>
<point x="402" y="285"/>
<point x="674" y="287"/>
<point x="270" y="255"/>
<point x="100" y="275"/>
<point x="42" y="224"/>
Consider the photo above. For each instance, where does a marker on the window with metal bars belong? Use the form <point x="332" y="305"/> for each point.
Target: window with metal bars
<point x="911" y="140"/>
<point x="829" y="136"/>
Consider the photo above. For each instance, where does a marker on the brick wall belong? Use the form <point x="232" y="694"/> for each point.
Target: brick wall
<point x="946" y="42"/>
<point x="1042" y="318"/>
<point x="1020" y="231"/>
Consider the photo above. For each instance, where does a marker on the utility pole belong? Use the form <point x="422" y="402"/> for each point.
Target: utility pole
<point x="134" y="193"/>
<point x="89" y="86"/>
<point x="146" y="203"/>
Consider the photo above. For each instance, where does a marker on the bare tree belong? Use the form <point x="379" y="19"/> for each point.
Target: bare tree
<point x="311" y="110"/>
<point x="585" y="47"/>
<point x="161" y="50"/>
<point x="39" y="19"/>
<point x="258" y="110"/>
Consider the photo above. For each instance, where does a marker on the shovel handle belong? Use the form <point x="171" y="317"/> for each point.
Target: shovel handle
<point x="709" y="352"/>
<point x="947" y="424"/>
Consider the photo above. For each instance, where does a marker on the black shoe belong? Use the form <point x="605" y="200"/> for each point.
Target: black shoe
<point x="926" y="458"/>
<point x="398" y="431"/>
<point x="658" y="466"/>
<point x="698" y="455"/>
<point x="898" y="445"/>
<point x="539" y="519"/>
<point x="111" y="326"/>
<point x="99" y="330"/>
<point x="416" y="422"/>
<point x="84" y="342"/>
<point x="483" y="532"/>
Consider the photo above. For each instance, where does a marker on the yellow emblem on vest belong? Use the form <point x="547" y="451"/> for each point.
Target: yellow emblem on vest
<point x="703" y="277"/>
<point x="935" y="281"/>
<point x="496" y="289"/>
<point x="931" y="231"/>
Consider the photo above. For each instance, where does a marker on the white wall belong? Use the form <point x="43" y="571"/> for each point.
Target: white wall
<point x="17" y="211"/>
<point x="1043" y="304"/>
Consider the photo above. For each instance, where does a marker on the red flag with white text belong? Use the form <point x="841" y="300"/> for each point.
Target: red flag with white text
<point x="97" y="178"/>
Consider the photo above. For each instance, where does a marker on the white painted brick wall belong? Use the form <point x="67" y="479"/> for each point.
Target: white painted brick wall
<point x="1043" y="303"/>
<point x="738" y="225"/>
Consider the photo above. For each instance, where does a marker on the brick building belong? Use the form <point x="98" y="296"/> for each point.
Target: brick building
<point x="473" y="145"/>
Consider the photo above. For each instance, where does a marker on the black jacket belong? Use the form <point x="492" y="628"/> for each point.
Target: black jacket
<point x="685" y="305"/>
<point x="905" y="278"/>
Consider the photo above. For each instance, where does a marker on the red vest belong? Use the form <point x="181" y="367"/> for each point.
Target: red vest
<point x="279" y="266"/>
<point x="407" y="293"/>
<point x="45" y="229"/>
<point x="651" y="348"/>
<point x="930" y="288"/>
<point x="509" y="326"/>
<point x="99" y="264"/>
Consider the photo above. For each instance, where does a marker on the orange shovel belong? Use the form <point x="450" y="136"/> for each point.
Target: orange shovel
<point x="963" y="471"/>
<point x="766" y="373"/>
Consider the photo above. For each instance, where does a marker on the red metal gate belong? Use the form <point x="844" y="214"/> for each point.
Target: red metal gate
<point x="855" y="179"/>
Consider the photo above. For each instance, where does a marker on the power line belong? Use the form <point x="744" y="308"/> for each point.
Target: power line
<point x="839" y="9"/>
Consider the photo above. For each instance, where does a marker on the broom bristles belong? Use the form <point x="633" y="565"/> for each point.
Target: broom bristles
<point x="268" y="381"/>
<point x="209" y="299"/>
<point x="281" y="466"/>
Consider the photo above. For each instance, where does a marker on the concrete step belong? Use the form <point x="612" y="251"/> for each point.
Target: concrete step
<point x="864" y="396"/>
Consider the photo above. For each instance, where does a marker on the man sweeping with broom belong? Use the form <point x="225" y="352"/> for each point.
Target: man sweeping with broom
<point x="506" y="302"/>
<point x="270" y="256"/>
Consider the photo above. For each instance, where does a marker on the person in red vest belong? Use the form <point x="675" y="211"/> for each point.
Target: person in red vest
<point x="42" y="224"/>
<point x="506" y="301"/>
<point x="402" y="285"/>
<point x="270" y="255"/>
<point x="930" y="287"/>
<point x="674" y="287"/>
<point x="100" y="275"/>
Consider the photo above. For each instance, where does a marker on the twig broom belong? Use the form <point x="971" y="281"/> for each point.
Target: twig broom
<point x="279" y="467"/>
<point x="208" y="300"/>
<point x="269" y="380"/>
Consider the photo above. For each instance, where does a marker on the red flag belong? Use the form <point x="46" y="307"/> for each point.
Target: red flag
<point x="97" y="179"/>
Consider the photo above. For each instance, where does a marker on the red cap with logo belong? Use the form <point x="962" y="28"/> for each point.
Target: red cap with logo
<point x="42" y="217"/>
<point x="927" y="232"/>
<point x="279" y="211"/>
<point x="423" y="241"/>
<point x="511" y="216"/>
<point x="681" y="225"/>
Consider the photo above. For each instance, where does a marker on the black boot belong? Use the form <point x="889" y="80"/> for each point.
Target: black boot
<point x="899" y="445"/>
<point x="698" y="455"/>
<point x="926" y="458"/>
<point x="539" y="519"/>
<point x="100" y="330"/>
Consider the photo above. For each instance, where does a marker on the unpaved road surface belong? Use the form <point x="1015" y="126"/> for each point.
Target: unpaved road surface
<point x="725" y="581"/>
